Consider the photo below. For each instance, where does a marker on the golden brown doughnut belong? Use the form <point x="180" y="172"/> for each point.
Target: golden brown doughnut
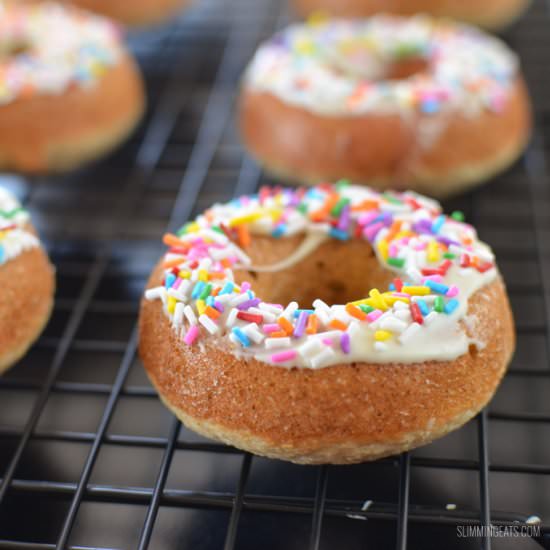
<point x="329" y="384"/>
<point x="408" y="130"/>
<point x="27" y="281"/>
<point x="58" y="113"/>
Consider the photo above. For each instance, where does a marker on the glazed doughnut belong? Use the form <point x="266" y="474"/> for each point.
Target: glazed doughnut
<point x="69" y="92"/>
<point x="391" y="102"/>
<point x="136" y="12"/>
<point x="27" y="282"/>
<point x="491" y="14"/>
<point x="403" y="335"/>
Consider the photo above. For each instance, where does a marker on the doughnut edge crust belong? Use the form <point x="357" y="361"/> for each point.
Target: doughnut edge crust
<point x="342" y="414"/>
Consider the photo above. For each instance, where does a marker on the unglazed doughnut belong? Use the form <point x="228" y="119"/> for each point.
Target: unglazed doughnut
<point x="26" y="279"/>
<point x="391" y="102"/>
<point x="491" y="14"/>
<point x="69" y="92"/>
<point x="136" y="12"/>
<point x="353" y="375"/>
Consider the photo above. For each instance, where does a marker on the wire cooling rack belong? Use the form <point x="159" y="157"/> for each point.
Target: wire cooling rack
<point x="89" y="458"/>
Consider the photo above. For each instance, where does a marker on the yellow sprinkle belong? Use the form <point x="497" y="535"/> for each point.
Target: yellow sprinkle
<point x="246" y="218"/>
<point x="192" y="227"/>
<point x="171" y="304"/>
<point x="416" y="290"/>
<point x="401" y="234"/>
<point x="203" y="275"/>
<point x="184" y="274"/>
<point x="306" y="47"/>
<point x="390" y="299"/>
<point x="377" y="300"/>
<point x="362" y="302"/>
<point x="382" y="335"/>
<point x="383" y="248"/>
<point x="201" y="306"/>
<point x="433" y="252"/>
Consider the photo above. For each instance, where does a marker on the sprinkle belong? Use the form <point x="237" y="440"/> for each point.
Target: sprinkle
<point x="438" y="224"/>
<point x="312" y="323"/>
<point x="284" y="356"/>
<point x="396" y="262"/>
<point x="382" y="335"/>
<point x="356" y="312"/>
<point x="208" y="324"/>
<point x="300" y="324"/>
<point x="337" y="324"/>
<point x="451" y="305"/>
<point x="458" y="216"/>
<point x="250" y="317"/>
<point x="271" y="343"/>
<point x="248" y="303"/>
<point x="338" y="234"/>
<point x="437" y="287"/>
<point x="423" y="306"/>
<point x="439" y="304"/>
<point x="190" y="315"/>
<point x="416" y="313"/>
<point x="286" y="325"/>
<point x="192" y="335"/>
<point x="345" y="342"/>
<point x="241" y="337"/>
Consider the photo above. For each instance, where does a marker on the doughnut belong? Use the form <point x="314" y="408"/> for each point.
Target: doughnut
<point x="399" y="103"/>
<point x="26" y="279"/>
<point x="491" y="14"/>
<point x="403" y="333"/>
<point x="69" y="92"/>
<point x="136" y="13"/>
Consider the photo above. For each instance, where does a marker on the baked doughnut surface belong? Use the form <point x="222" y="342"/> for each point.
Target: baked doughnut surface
<point x="390" y="102"/>
<point x="358" y="372"/>
<point x="27" y="282"/>
<point x="136" y="12"/>
<point x="491" y="14"/>
<point x="69" y="92"/>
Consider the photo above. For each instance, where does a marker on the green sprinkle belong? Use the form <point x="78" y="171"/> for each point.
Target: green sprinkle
<point x="342" y="184"/>
<point x="458" y="216"/>
<point x="391" y="198"/>
<point x="302" y="208"/>
<point x="182" y="230"/>
<point x="407" y="50"/>
<point x="217" y="229"/>
<point x="206" y="292"/>
<point x="8" y="214"/>
<point x="449" y="256"/>
<point x="439" y="304"/>
<point x="337" y="208"/>
<point x="365" y="308"/>
<point x="396" y="262"/>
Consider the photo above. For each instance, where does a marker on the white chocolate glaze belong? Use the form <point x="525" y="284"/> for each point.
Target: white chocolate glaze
<point x="439" y="263"/>
<point x="338" y="67"/>
<point x="14" y="235"/>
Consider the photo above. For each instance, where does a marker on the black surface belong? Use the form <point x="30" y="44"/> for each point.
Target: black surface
<point x="89" y="458"/>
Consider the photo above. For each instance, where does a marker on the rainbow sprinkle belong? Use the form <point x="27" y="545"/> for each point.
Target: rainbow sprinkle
<point x="437" y="260"/>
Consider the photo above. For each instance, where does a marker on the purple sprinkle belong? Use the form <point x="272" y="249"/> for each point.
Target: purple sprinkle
<point x="371" y="231"/>
<point x="343" y="222"/>
<point x="300" y="324"/>
<point x="344" y="342"/>
<point x="219" y="306"/>
<point x="248" y="303"/>
<point x="447" y="241"/>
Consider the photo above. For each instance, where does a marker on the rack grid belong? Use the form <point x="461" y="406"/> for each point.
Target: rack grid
<point x="89" y="458"/>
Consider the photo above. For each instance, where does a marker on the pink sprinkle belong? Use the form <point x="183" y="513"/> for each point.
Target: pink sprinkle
<point x="192" y="335"/>
<point x="452" y="292"/>
<point x="283" y="356"/>
<point x="278" y="306"/>
<point x="177" y="283"/>
<point x="400" y="295"/>
<point x="271" y="327"/>
<point x="327" y="341"/>
<point x="373" y="315"/>
<point x="371" y="231"/>
<point x="393" y="250"/>
<point x="245" y="286"/>
<point x="367" y="217"/>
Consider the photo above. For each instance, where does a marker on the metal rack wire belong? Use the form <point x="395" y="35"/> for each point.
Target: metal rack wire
<point x="88" y="456"/>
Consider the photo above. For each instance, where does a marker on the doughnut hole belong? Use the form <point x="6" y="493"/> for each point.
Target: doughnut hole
<point x="405" y="68"/>
<point x="337" y="272"/>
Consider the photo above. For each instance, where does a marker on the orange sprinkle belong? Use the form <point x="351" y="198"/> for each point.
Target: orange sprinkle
<point x="216" y="275"/>
<point x="394" y="230"/>
<point x="213" y="313"/>
<point x="225" y="262"/>
<point x="324" y="211"/>
<point x="312" y="322"/>
<point x="170" y="239"/>
<point x="286" y="325"/>
<point x="279" y="334"/>
<point x="173" y="263"/>
<point x="243" y="235"/>
<point x="337" y="324"/>
<point x="354" y="311"/>
<point x="216" y="291"/>
<point x="367" y="204"/>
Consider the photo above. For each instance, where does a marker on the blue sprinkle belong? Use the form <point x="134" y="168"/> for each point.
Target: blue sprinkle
<point x="450" y="306"/>
<point x="227" y="288"/>
<point x="392" y="286"/>
<point x="430" y="106"/>
<point x="437" y="287"/>
<point x="210" y="301"/>
<point x="423" y="307"/>
<point x="170" y="280"/>
<point x="298" y="311"/>
<point x="2" y="254"/>
<point x="438" y="224"/>
<point x="279" y="231"/>
<point x="241" y="336"/>
<point x="197" y="291"/>
<point x="338" y="234"/>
